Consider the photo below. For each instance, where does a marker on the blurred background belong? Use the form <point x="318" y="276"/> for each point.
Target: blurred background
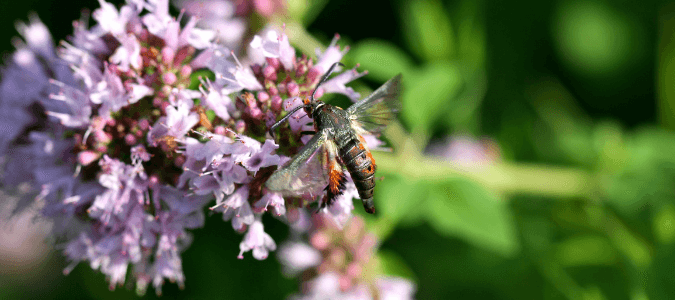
<point x="534" y="158"/>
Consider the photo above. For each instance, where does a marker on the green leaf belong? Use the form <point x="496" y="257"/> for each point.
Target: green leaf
<point x="393" y="265"/>
<point x="428" y="29"/>
<point x="586" y="250"/>
<point x="401" y="200"/>
<point x="664" y="224"/>
<point x="464" y="209"/>
<point x="304" y="11"/>
<point x="429" y="94"/>
<point x="194" y="78"/>
<point x="646" y="179"/>
<point x="382" y="59"/>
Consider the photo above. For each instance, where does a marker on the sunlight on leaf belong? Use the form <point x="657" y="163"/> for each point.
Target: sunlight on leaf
<point x="462" y="208"/>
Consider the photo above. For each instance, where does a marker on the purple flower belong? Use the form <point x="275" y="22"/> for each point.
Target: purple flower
<point x="125" y="194"/>
<point x="332" y="55"/>
<point x="465" y="151"/>
<point x="219" y="103"/>
<point x="297" y="257"/>
<point x="271" y="199"/>
<point x="231" y="75"/>
<point x="341" y="210"/>
<point x="274" y="46"/>
<point x="258" y="240"/>
<point x="218" y="16"/>
<point x="111" y="20"/>
<point x="262" y="157"/>
<point x="395" y="288"/>
<point x="237" y="209"/>
<point x="128" y="54"/>
<point x="337" y="84"/>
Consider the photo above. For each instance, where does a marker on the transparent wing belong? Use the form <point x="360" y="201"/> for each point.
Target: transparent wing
<point x="377" y="110"/>
<point x="307" y="172"/>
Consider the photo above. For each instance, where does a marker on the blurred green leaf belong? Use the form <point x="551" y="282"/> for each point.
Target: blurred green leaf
<point x="647" y="177"/>
<point x="664" y="224"/>
<point x="465" y="209"/>
<point x="429" y="95"/>
<point x="471" y="33"/>
<point x="382" y="59"/>
<point x="392" y="264"/>
<point x="661" y="282"/>
<point x="585" y="250"/>
<point x="401" y="199"/>
<point x="304" y="11"/>
<point x="196" y="75"/>
<point x="428" y="29"/>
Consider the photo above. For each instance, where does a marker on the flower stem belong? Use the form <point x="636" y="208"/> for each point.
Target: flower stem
<point x="503" y="177"/>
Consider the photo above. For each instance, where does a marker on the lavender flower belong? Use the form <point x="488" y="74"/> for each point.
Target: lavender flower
<point x="128" y="158"/>
<point x="340" y="264"/>
<point x="466" y="151"/>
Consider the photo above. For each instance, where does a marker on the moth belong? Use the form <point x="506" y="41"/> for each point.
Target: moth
<point x="338" y="144"/>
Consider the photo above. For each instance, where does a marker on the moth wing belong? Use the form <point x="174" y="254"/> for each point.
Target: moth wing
<point x="376" y="111"/>
<point x="306" y="172"/>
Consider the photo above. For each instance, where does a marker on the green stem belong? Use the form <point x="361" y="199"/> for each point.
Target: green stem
<point x="503" y="177"/>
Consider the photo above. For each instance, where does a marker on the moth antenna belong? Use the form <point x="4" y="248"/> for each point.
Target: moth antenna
<point x="325" y="77"/>
<point x="290" y="113"/>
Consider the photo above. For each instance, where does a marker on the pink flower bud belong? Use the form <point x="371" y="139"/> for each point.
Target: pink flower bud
<point x="154" y="179"/>
<point x="274" y="62"/>
<point x="130" y="139"/>
<point x="240" y="126"/>
<point x="168" y="55"/>
<point x="185" y="71"/>
<point x="320" y="240"/>
<point x="354" y="270"/>
<point x="282" y="88"/>
<point x="345" y="283"/>
<point x="273" y="90"/>
<point x="276" y="102"/>
<point x="220" y="129"/>
<point x="144" y="124"/>
<point x="293" y="89"/>
<point x="313" y="75"/>
<point x="300" y="70"/>
<point x="270" y="73"/>
<point x="262" y="96"/>
<point x="87" y="157"/>
<point x="254" y="112"/>
<point x="169" y="78"/>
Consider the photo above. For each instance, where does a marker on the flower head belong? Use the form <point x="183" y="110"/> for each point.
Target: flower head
<point x="128" y="157"/>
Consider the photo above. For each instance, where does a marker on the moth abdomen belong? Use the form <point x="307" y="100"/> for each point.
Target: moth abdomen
<point x="360" y="165"/>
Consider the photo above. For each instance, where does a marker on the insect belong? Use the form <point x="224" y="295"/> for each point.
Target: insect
<point x="337" y="144"/>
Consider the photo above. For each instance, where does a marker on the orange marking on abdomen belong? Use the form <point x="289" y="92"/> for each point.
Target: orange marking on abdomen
<point x="334" y="177"/>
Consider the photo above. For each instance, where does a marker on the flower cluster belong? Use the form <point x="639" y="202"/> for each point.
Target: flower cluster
<point x="124" y="157"/>
<point x="340" y="264"/>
